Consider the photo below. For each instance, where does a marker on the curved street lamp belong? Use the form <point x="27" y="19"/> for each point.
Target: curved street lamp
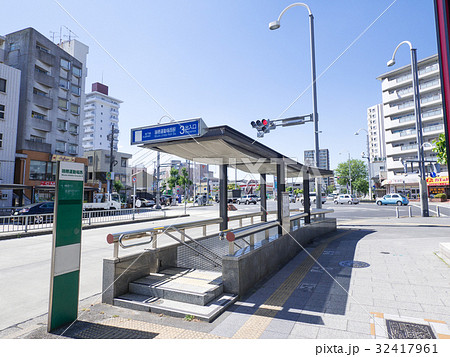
<point x="368" y="161"/>
<point x="274" y="25"/>
<point x="420" y="156"/>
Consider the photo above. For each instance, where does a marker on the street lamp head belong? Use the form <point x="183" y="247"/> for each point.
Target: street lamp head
<point x="391" y="63"/>
<point x="274" y="25"/>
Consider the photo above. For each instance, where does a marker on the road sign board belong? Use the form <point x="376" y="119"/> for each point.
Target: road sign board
<point x="171" y="131"/>
<point x="66" y="251"/>
<point x="134" y="179"/>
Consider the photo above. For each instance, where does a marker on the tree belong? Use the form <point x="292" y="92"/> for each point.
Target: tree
<point x="441" y="149"/>
<point x="183" y="180"/>
<point x="289" y="189"/>
<point x="331" y="188"/>
<point x="118" y="185"/>
<point x="361" y="185"/>
<point x="172" y="181"/>
<point x="232" y="186"/>
<point x="358" y="171"/>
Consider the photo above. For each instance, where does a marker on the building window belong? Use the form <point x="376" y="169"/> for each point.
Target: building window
<point x="65" y="64"/>
<point x="2" y="111"/>
<point x="76" y="71"/>
<point x="39" y="92"/>
<point x="42" y="170"/>
<point x="60" y="146"/>
<point x="42" y="48"/>
<point x="123" y="162"/>
<point x="61" y="124"/>
<point x="64" y="83"/>
<point x="38" y="115"/>
<point x="74" y="109"/>
<point x="73" y="149"/>
<point x="73" y="128"/>
<point x="75" y="89"/>
<point x="90" y="160"/>
<point x="2" y="85"/>
<point x="13" y="46"/>
<point x="62" y="104"/>
<point x="37" y="139"/>
<point x="1" y="140"/>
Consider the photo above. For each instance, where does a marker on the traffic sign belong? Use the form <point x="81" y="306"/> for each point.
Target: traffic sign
<point x="134" y="179"/>
<point x="172" y="131"/>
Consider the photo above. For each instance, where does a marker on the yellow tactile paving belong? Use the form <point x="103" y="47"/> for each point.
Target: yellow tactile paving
<point x="445" y="337"/>
<point x="378" y="314"/>
<point x="437" y="321"/>
<point x="258" y="322"/>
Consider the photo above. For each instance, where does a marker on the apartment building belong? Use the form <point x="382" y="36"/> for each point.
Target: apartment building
<point x="400" y="125"/>
<point x="324" y="158"/>
<point x="9" y="109"/>
<point x="101" y="113"/>
<point x="50" y="105"/>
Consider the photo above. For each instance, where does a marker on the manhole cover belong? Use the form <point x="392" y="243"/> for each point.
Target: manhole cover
<point x="353" y="264"/>
<point x="404" y="330"/>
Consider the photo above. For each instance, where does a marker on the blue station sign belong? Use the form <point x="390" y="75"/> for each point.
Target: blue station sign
<point x="169" y="131"/>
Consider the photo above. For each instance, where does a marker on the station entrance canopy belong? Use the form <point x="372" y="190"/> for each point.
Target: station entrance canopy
<point x="219" y="145"/>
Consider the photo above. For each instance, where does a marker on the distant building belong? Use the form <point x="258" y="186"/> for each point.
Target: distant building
<point x="50" y="109"/>
<point x="324" y="158"/>
<point x="9" y="109"/>
<point x="400" y="126"/>
<point x="101" y="114"/>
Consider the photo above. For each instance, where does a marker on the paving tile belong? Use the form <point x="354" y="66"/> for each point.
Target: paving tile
<point x="267" y="334"/>
<point x="335" y="322"/>
<point x="358" y="326"/>
<point x="281" y="326"/>
<point x="327" y="333"/>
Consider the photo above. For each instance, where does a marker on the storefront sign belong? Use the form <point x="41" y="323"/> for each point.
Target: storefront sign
<point x="438" y="181"/>
<point x="48" y="183"/>
<point x="62" y="158"/>
<point x="66" y="250"/>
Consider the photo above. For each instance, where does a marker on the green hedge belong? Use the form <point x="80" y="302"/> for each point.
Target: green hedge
<point x="441" y="195"/>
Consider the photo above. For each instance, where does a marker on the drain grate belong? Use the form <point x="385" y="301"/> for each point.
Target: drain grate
<point x="408" y="330"/>
<point x="353" y="264"/>
<point x="385" y="253"/>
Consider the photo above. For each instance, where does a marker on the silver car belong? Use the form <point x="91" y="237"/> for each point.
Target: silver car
<point x="346" y="198"/>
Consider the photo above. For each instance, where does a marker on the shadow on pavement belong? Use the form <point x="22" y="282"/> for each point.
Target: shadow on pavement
<point x="89" y="330"/>
<point x="319" y="291"/>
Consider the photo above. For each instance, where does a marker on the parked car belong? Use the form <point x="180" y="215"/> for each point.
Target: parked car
<point x="146" y="203"/>
<point x="349" y="199"/>
<point x="312" y="198"/>
<point x="292" y="198"/>
<point x="247" y="199"/>
<point x="392" y="199"/>
<point x="40" y="210"/>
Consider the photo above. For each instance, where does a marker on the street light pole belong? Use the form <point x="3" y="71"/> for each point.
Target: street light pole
<point x="423" y="190"/>
<point x="275" y="25"/>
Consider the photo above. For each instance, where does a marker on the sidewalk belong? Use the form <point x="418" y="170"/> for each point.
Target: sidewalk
<point x="390" y="267"/>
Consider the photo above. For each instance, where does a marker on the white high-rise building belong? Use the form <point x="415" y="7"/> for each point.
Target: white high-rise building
<point x="375" y="128"/>
<point x="101" y="113"/>
<point x="400" y="124"/>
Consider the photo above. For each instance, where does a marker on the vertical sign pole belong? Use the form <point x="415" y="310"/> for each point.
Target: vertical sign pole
<point x="66" y="249"/>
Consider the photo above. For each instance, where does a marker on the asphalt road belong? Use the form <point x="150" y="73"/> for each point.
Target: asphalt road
<point x="25" y="262"/>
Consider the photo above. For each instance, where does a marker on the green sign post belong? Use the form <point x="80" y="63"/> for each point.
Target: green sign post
<point x="66" y="251"/>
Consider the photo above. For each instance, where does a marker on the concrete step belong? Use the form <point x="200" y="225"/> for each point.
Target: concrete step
<point x="176" y="308"/>
<point x="190" y="286"/>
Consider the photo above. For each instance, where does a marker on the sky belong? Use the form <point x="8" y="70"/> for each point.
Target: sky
<point x="218" y="60"/>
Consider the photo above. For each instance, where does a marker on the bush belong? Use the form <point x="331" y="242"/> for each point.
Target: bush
<point x="441" y="196"/>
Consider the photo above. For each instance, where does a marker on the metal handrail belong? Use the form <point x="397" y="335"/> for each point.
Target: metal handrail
<point x="246" y="231"/>
<point x="124" y="237"/>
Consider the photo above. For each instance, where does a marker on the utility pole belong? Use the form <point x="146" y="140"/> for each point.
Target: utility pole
<point x="111" y="159"/>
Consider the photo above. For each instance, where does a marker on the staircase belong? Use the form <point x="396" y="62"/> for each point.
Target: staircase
<point x="178" y="292"/>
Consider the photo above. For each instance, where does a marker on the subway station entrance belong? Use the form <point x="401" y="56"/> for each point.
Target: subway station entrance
<point x="209" y="263"/>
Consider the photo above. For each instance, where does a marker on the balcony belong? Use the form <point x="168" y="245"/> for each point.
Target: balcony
<point x="42" y="101"/>
<point x="44" y="79"/>
<point x="45" y="57"/>
<point x="41" y="124"/>
<point x="37" y="146"/>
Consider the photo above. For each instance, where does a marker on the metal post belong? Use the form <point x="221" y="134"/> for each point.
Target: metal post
<point x="422" y="183"/>
<point x="368" y="168"/>
<point x="134" y="199"/>
<point x="158" y="194"/>
<point x="438" y="211"/>
<point x="281" y="187"/>
<point x="397" y="212"/>
<point x="111" y="159"/>
<point x="410" y="211"/>
<point x="263" y="193"/>
<point x="223" y="180"/>
<point x="349" y="174"/>
<point x="306" y="202"/>
<point x="315" y="114"/>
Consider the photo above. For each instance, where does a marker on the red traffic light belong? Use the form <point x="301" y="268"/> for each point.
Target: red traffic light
<point x="265" y="121"/>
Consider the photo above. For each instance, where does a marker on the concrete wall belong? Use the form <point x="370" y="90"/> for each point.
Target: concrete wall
<point x="241" y="271"/>
<point x="131" y="267"/>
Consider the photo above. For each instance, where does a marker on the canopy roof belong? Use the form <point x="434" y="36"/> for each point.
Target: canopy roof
<point x="225" y="145"/>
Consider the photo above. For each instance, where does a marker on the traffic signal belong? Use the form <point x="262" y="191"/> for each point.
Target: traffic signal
<point x="263" y="126"/>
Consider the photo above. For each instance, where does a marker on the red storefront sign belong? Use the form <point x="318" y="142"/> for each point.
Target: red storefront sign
<point x="437" y="181"/>
<point x="48" y="183"/>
